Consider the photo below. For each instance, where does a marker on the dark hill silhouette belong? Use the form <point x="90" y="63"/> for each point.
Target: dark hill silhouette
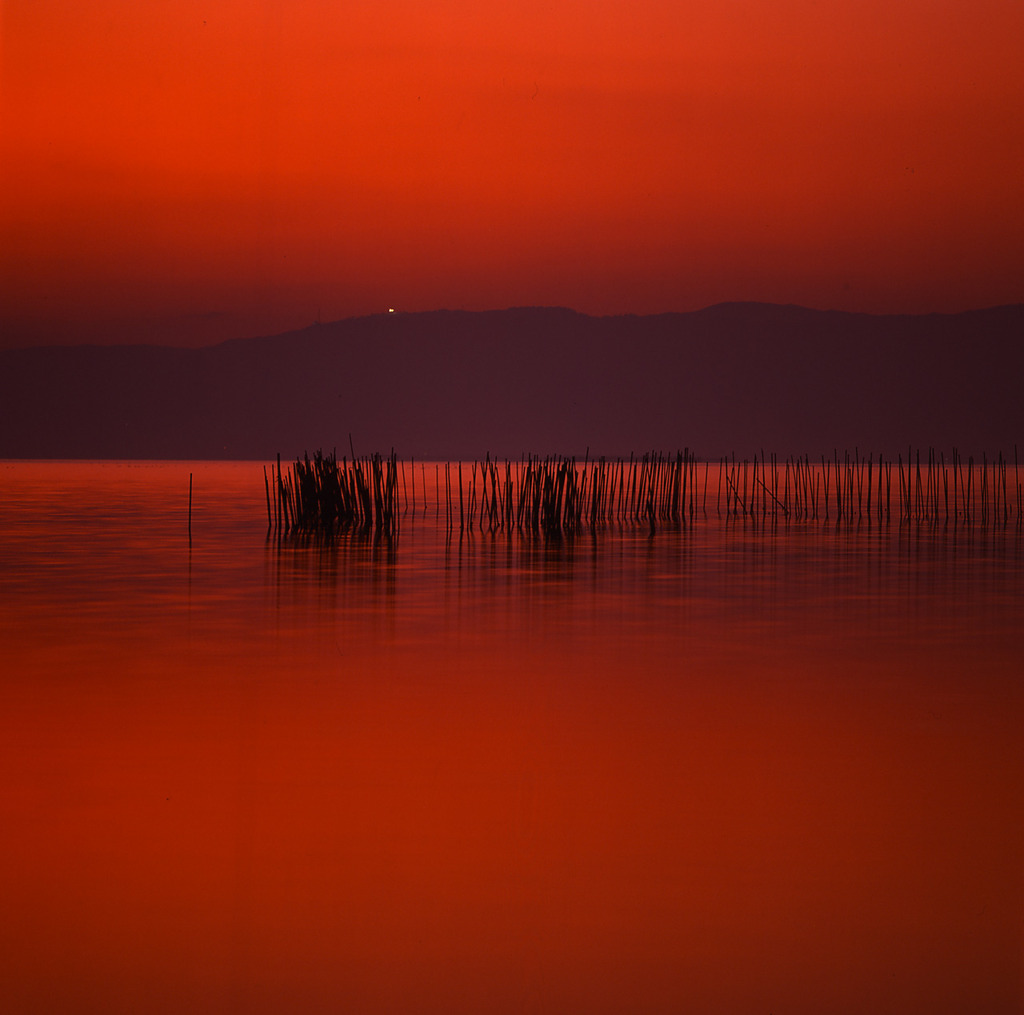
<point x="732" y="378"/>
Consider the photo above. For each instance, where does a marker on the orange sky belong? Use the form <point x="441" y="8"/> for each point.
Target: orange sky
<point x="185" y="171"/>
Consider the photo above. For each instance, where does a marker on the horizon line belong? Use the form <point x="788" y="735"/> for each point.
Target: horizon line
<point x="537" y="308"/>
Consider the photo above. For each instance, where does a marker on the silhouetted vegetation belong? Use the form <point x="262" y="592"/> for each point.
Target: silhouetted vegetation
<point x="324" y="496"/>
<point x="559" y="496"/>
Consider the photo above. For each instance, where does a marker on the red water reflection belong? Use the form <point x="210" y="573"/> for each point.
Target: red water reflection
<point x="272" y="800"/>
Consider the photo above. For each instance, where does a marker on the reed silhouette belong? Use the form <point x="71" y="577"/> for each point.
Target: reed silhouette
<point x="557" y="496"/>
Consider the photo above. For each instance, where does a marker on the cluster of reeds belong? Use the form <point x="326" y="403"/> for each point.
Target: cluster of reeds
<point x="557" y="495"/>
<point x="323" y="496"/>
<point x="857" y="488"/>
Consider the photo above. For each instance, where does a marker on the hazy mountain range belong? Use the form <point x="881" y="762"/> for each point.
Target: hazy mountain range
<point x="731" y="378"/>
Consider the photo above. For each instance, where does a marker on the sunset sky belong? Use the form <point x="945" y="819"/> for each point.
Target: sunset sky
<point x="185" y="171"/>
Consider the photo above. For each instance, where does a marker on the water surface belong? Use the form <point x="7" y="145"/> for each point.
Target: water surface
<point x="725" y="768"/>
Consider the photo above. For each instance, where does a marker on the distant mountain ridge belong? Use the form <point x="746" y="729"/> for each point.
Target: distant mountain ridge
<point x="732" y="378"/>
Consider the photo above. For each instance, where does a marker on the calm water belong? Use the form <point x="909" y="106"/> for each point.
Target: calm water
<point x="724" y="769"/>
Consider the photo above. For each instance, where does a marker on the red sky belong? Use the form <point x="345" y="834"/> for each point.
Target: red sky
<point x="185" y="171"/>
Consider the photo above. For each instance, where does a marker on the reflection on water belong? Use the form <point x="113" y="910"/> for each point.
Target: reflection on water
<point x="726" y="768"/>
